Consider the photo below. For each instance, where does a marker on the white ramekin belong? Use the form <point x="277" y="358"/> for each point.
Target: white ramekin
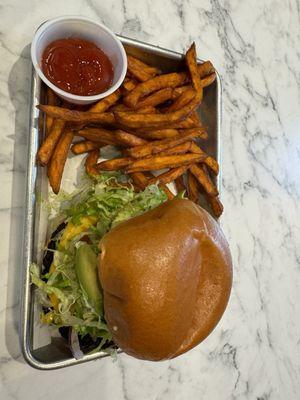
<point x="83" y="28"/>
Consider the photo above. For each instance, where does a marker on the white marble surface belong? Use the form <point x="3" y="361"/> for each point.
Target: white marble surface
<point x="255" y="351"/>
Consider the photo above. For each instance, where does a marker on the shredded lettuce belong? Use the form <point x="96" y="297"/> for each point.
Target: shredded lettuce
<point x="89" y="212"/>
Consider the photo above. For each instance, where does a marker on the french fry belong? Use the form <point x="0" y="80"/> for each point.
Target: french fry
<point x="140" y="70"/>
<point x="177" y="92"/>
<point x="135" y="120"/>
<point x="161" y="161"/>
<point x="204" y="69"/>
<point x="158" y="133"/>
<point x="191" y="61"/>
<point x="132" y="120"/>
<point x="91" y="161"/>
<point x="159" y="146"/>
<point x="193" y="187"/>
<point x="171" y="80"/>
<point x="155" y="98"/>
<point x="51" y="100"/>
<point x="168" y="192"/>
<point x="179" y="149"/>
<point x="114" y="164"/>
<point x="208" y="80"/>
<point x="98" y="135"/>
<point x="128" y="85"/>
<point x="118" y="137"/>
<point x="128" y="139"/>
<point x="209" y="161"/>
<point x="150" y="70"/>
<point x="58" y="160"/>
<point x="120" y="107"/>
<point x="179" y="183"/>
<point x="77" y="116"/>
<point x="47" y="148"/>
<point x="186" y="124"/>
<point x="203" y="178"/>
<point x="147" y="110"/>
<point x="181" y="101"/>
<point x="139" y="179"/>
<point x="216" y="205"/>
<point x="169" y="176"/>
<point x="84" y="147"/>
<point x="106" y="103"/>
<point x="196" y="119"/>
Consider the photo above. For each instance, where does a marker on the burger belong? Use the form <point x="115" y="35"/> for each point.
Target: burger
<point x="133" y="271"/>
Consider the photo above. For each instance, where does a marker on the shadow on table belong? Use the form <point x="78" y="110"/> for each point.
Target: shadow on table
<point x="19" y="92"/>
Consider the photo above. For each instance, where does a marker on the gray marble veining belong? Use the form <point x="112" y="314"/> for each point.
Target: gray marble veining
<point x="254" y="353"/>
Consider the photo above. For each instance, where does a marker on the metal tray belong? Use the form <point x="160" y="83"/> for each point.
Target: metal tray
<point x="40" y="349"/>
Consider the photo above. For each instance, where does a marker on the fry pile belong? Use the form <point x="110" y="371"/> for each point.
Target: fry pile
<point x="152" y="118"/>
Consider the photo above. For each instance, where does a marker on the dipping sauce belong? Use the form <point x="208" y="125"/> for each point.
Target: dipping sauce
<point x="77" y="66"/>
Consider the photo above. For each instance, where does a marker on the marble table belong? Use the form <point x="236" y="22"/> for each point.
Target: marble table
<point x="254" y="353"/>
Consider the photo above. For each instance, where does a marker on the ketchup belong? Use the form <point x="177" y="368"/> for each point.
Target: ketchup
<point x="77" y="66"/>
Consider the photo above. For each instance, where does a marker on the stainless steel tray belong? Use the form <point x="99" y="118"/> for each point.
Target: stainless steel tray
<point x="41" y="350"/>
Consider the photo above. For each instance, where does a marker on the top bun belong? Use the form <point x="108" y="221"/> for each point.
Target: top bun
<point x="166" y="277"/>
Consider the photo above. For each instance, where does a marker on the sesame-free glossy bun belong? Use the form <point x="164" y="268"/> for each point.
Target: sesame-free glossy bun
<point x="166" y="277"/>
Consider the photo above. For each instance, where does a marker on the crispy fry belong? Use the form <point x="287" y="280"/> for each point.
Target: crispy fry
<point x="135" y="120"/>
<point x="179" y="183"/>
<point x="160" y="120"/>
<point x="193" y="187"/>
<point x="209" y="161"/>
<point x="84" y="147"/>
<point x="181" y="101"/>
<point x="203" y="178"/>
<point x="139" y="179"/>
<point x="147" y="110"/>
<point x="114" y="164"/>
<point x="196" y="119"/>
<point x="204" y="69"/>
<point x="215" y="204"/>
<point x="169" y="176"/>
<point x="120" y="107"/>
<point x="159" y="146"/>
<point x="45" y="152"/>
<point x="155" y="98"/>
<point x="186" y="124"/>
<point x="158" y="133"/>
<point x="208" y="80"/>
<point x="177" y="92"/>
<point x="179" y="149"/>
<point x="191" y="61"/>
<point x="91" y="161"/>
<point x="140" y="70"/>
<point x="160" y="162"/>
<point x="171" y="80"/>
<point x="146" y="67"/>
<point x="98" y="135"/>
<point x="118" y="137"/>
<point x="128" y="85"/>
<point x="168" y="192"/>
<point x="106" y="103"/>
<point x="128" y="139"/>
<point x="58" y="160"/>
<point x="77" y="116"/>
<point x="51" y="100"/>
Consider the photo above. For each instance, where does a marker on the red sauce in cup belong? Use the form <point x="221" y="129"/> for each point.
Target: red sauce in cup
<point x="77" y="66"/>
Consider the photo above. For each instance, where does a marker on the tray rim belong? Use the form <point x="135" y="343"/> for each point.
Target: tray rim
<point x="29" y="210"/>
